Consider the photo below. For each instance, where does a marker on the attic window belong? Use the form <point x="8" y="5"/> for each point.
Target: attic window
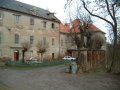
<point x="51" y="15"/>
<point x="20" y="5"/>
<point x="34" y="10"/>
<point x="48" y="14"/>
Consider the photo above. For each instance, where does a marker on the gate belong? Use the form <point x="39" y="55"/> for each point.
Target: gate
<point x="95" y="56"/>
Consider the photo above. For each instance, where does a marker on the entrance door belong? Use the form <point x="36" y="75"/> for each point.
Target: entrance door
<point x="16" y="55"/>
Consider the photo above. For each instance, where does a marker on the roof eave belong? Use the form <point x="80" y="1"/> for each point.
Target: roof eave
<point x="30" y="14"/>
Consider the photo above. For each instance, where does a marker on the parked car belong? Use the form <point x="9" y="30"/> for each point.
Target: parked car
<point x="69" y="58"/>
<point x="31" y="61"/>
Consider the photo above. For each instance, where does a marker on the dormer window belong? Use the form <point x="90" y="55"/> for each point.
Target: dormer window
<point x="51" y="15"/>
<point x="34" y="11"/>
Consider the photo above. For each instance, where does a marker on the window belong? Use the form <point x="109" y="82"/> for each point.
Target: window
<point x="17" y="18"/>
<point x="31" y="39"/>
<point x="52" y="25"/>
<point x="53" y="41"/>
<point x="16" y="38"/>
<point x="31" y="21"/>
<point x="0" y="37"/>
<point x="44" y="24"/>
<point x="1" y="18"/>
<point x="0" y="14"/>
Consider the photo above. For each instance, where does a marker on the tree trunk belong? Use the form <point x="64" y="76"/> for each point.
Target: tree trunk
<point x="78" y="61"/>
<point x="41" y="56"/>
<point x="115" y="64"/>
<point x="23" y="55"/>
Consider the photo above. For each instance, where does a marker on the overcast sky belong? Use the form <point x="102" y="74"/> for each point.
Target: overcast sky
<point x="56" y="6"/>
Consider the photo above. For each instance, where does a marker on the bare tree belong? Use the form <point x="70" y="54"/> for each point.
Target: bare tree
<point x="42" y="47"/>
<point x="79" y="32"/>
<point x="97" y="41"/>
<point x="26" y="46"/>
<point x="105" y="10"/>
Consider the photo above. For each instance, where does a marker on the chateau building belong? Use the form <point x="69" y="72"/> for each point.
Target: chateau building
<point x="23" y="26"/>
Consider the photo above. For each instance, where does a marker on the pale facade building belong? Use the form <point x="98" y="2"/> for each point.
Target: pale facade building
<point x="21" y="23"/>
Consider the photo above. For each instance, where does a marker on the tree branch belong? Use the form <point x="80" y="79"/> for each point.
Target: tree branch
<point x="108" y="9"/>
<point x="96" y="15"/>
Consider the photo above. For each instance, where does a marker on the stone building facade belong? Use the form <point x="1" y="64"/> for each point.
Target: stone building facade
<point x="22" y="23"/>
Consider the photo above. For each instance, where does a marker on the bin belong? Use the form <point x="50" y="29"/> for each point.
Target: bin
<point x="73" y="67"/>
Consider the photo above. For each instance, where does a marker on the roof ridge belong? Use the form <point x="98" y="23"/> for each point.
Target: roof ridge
<point x="31" y="5"/>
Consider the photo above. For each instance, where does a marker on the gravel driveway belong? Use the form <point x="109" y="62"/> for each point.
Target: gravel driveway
<point x="54" y="78"/>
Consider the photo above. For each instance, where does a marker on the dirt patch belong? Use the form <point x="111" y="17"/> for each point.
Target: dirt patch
<point x="55" y="78"/>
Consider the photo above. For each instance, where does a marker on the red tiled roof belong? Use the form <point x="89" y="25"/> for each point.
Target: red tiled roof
<point x="93" y="28"/>
<point x="75" y="28"/>
<point x="64" y="28"/>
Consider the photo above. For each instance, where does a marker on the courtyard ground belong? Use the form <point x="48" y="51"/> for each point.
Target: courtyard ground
<point x="55" y="78"/>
